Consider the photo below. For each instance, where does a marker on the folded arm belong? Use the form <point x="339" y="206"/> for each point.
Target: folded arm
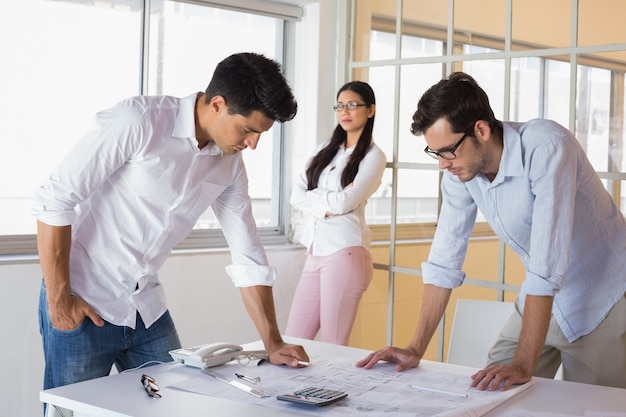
<point x="320" y="202"/>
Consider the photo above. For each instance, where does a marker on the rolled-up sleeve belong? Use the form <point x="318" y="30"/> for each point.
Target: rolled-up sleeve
<point x="251" y="275"/>
<point x="538" y="285"/>
<point x="456" y="221"/>
<point x="101" y="151"/>
<point x="50" y="208"/>
<point x="233" y="209"/>
<point x="441" y="276"/>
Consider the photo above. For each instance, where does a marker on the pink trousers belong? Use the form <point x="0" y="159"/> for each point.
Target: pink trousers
<point x="328" y="295"/>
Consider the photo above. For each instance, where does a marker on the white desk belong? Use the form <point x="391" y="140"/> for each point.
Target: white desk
<point x="123" y="395"/>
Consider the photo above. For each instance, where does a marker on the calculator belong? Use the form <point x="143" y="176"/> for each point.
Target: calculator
<point x="314" y="396"/>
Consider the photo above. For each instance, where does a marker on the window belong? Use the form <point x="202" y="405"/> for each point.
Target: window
<point x="529" y="64"/>
<point x="67" y="63"/>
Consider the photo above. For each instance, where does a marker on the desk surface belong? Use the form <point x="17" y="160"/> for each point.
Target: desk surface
<point x="122" y="394"/>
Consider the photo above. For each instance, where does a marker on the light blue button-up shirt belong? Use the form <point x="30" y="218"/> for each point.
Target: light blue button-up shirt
<point x="547" y="204"/>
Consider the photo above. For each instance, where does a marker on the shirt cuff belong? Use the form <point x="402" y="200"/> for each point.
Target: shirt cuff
<point x="251" y="275"/>
<point x="441" y="277"/>
<point x="536" y="285"/>
<point x="53" y="218"/>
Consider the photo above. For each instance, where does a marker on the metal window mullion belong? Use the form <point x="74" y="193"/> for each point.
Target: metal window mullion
<point x="260" y="7"/>
<point x="143" y="46"/>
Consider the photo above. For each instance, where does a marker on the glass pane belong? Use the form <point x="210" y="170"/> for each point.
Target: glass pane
<point x="58" y="69"/>
<point x="177" y="28"/>
<point x="381" y="79"/>
<point x="378" y="209"/>
<point x="174" y="71"/>
<point x="408" y="293"/>
<point x="526" y="83"/>
<point x="600" y="25"/>
<point x="470" y="23"/>
<point x="593" y="101"/>
<point x="489" y="74"/>
<point x="415" y="80"/>
<point x="424" y="28"/>
<point x="420" y="47"/>
<point x="418" y="193"/>
<point x="557" y="89"/>
<point x="374" y="30"/>
<point x="382" y="45"/>
<point x="554" y="21"/>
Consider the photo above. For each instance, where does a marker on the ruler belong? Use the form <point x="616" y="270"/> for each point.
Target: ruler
<point x="237" y="384"/>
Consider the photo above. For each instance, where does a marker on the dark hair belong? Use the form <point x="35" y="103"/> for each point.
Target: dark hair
<point x="459" y="99"/>
<point x="249" y="82"/>
<point x="324" y="156"/>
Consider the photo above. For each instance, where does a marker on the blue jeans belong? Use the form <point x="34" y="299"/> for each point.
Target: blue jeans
<point x="89" y="351"/>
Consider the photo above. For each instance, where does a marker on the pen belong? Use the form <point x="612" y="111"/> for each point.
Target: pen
<point x="301" y="362"/>
<point x="439" y="391"/>
<point x="249" y="378"/>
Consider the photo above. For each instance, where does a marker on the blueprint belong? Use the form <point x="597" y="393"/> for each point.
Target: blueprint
<point x="380" y="391"/>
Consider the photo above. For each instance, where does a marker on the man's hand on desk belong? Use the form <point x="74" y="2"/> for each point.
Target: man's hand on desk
<point x="404" y="358"/>
<point x="499" y="377"/>
<point x="291" y="355"/>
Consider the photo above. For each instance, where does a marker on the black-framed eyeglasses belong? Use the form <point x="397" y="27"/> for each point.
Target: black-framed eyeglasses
<point x="150" y="385"/>
<point x="447" y="154"/>
<point x="351" y="105"/>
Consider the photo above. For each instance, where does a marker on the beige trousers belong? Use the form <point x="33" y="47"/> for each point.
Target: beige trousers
<point x="597" y="358"/>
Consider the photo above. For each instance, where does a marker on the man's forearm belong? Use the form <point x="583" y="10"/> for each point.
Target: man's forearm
<point x="53" y="246"/>
<point x="259" y="302"/>
<point x="434" y="304"/>
<point x="535" y="323"/>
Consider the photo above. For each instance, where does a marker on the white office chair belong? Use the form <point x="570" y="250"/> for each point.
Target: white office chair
<point x="476" y="325"/>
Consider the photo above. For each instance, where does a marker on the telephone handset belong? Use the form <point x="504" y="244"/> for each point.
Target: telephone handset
<point x="214" y="354"/>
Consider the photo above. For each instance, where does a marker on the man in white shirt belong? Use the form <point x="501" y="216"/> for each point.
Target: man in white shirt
<point x="127" y="193"/>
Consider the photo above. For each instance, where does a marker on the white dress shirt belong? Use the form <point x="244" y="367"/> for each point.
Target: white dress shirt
<point x="347" y="227"/>
<point x="132" y="188"/>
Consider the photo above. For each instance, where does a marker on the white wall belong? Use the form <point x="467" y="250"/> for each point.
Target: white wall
<point x="199" y="293"/>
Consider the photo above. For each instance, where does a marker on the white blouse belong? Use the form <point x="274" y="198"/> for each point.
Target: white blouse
<point x="346" y="226"/>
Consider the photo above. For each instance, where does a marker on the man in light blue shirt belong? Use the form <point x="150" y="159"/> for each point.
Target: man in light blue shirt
<point x="539" y="193"/>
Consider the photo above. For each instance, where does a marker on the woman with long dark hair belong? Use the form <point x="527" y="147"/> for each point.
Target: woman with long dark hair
<point x="332" y="193"/>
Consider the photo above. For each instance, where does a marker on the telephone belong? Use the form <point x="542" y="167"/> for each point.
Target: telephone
<point x="214" y="354"/>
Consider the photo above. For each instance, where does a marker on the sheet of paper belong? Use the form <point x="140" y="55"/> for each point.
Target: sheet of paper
<point x="378" y="391"/>
<point x="530" y="413"/>
<point x="603" y="414"/>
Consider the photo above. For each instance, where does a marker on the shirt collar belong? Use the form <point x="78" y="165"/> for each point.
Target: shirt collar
<point x="185" y="125"/>
<point x="511" y="163"/>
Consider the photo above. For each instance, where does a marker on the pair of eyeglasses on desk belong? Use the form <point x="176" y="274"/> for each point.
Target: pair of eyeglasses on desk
<point x="150" y="385"/>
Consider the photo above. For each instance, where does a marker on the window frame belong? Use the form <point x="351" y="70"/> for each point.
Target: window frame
<point x="395" y="233"/>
